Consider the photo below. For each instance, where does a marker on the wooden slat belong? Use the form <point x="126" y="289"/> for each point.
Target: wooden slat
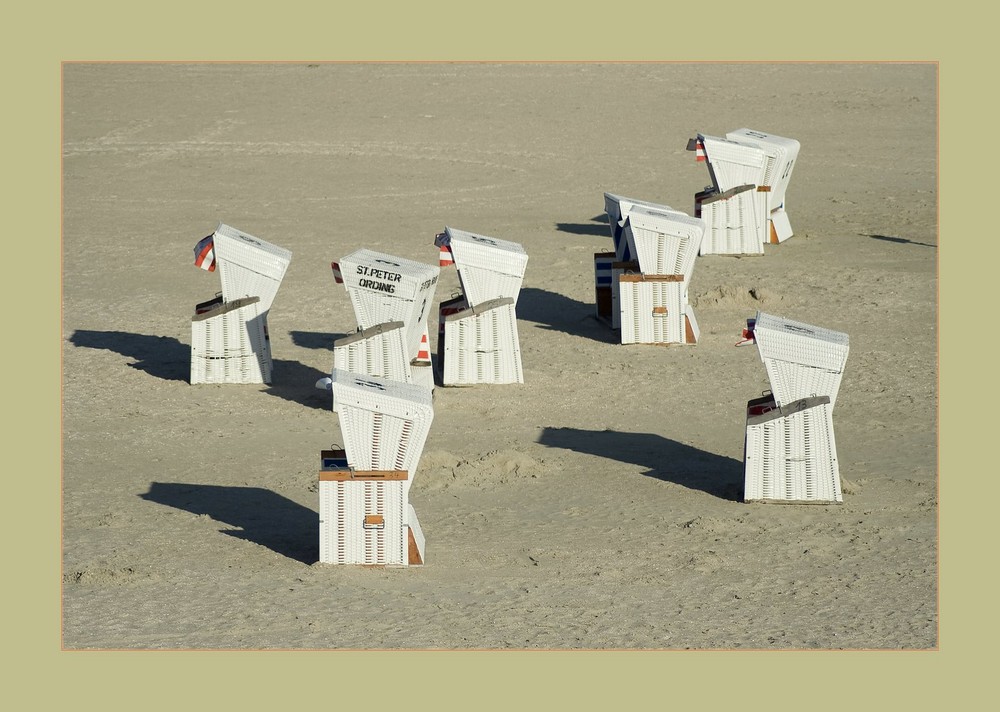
<point x="651" y="278"/>
<point x="345" y="475"/>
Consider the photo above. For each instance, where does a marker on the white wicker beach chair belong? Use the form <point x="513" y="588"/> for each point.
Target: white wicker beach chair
<point x="384" y="288"/>
<point x="653" y="298"/>
<point x="365" y="514"/>
<point x="653" y="244"/>
<point x="790" y="448"/>
<point x="229" y="337"/>
<point x="750" y="157"/>
<point x="477" y="337"/>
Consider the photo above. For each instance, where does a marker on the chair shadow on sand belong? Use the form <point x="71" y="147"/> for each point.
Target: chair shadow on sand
<point x="296" y="382"/>
<point x="665" y="459"/>
<point x="167" y="358"/>
<point x="555" y="312"/>
<point x="160" y="356"/>
<point x="597" y="226"/>
<point x="260" y="515"/>
<point x="899" y="240"/>
<point x="317" y="340"/>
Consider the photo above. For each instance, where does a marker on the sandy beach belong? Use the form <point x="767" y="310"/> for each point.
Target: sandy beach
<point x="595" y="506"/>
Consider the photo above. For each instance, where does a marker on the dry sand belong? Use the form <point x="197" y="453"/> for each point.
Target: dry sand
<point x="594" y="506"/>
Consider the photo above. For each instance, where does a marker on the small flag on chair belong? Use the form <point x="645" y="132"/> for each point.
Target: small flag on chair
<point x="446" y="259"/>
<point x="698" y="146"/>
<point x="204" y="254"/>
<point x="337" y="276"/>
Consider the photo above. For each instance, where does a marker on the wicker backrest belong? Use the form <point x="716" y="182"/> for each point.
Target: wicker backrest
<point x="488" y="267"/>
<point x="384" y="422"/>
<point x="248" y="266"/>
<point x="802" y="360"/>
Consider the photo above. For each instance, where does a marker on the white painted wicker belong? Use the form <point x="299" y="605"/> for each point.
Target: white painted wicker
<point x="751" y="157"/>
<point x="488" y="268"/>
<point x="248" y="266"/>
<point x="733" y="163"/>
<point x="422" y="374"/>
<point x="791" y="452"/>
<point x="735" y="221"/>
<point x="229" y="337"/>
<point x="481" y="345"/>
<point x="384" y="422"/>
<point x="664" y="242"/>
<point x="654" y="310"/>
<point x="229" y="344"/>
<point x="802" y="361"/>
<point x="780" y="154"/>
<point x="378" y="351"/>
<point x="363" y="517"/>
<point x="618" y="207"/>
<point x="384" y="288"/>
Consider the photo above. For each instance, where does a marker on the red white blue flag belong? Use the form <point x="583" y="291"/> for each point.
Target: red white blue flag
<point x="204" y="254"/>
<point x="337" y="276"/>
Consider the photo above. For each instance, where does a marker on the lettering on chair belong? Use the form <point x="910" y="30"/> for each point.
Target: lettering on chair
<point x="247" y="238"/>
<point x="799" y="329"/>
<point x="369" y="384"/>
<point x="379" y="280"/>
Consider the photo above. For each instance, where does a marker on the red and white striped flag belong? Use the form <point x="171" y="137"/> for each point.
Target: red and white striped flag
<point x="204" y="254"/>
<point x="446" y="259"/>
<point x="337" y="276"/>
<point x="699" y="151"/>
